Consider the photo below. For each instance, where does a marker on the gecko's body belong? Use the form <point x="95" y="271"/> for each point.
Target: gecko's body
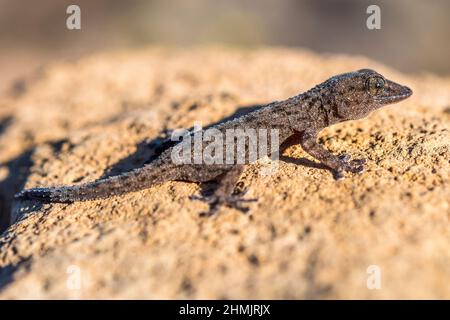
<point x="348" y="96"/>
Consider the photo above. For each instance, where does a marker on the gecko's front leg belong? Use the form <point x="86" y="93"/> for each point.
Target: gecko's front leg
<point x="338" y="164"/>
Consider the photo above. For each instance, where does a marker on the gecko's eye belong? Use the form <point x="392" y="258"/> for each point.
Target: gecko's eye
<point x="374" y="85"/>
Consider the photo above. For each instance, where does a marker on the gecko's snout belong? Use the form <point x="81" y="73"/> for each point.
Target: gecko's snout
<point x="407" y="91"/>
<point x="402" y="93"/>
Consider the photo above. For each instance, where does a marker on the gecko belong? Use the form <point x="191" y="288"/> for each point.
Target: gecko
<point x="298" y="119"/>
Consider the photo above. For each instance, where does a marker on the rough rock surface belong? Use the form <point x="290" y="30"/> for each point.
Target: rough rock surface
<point x="307" y="237"/>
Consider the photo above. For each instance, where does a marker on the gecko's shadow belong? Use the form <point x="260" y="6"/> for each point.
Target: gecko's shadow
<point x="304" y="162"/>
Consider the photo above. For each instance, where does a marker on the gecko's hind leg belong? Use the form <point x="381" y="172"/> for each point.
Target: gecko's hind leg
<point x="223" y="195"/>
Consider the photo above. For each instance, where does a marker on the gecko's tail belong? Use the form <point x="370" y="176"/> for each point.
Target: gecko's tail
<point x="43" y="194"/>
<point x="128" y="182"/>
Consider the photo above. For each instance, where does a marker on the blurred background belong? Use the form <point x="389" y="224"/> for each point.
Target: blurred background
<point x="413" y="37"/>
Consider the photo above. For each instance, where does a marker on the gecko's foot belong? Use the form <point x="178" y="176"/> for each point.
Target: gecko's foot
<point x="215" y="202"/>
<point x="353" y="166"/>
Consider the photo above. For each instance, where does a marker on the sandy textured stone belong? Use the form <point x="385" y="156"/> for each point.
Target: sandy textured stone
<point x="307" y="237"/>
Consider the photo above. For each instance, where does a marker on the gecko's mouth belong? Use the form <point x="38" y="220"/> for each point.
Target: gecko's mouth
<point x="395" y="93"/>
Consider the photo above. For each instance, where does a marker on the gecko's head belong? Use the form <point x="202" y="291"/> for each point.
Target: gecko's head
<point x="356" y="94"/>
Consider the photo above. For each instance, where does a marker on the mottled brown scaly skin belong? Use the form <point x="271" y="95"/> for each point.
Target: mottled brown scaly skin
<point x="344" y="97"/>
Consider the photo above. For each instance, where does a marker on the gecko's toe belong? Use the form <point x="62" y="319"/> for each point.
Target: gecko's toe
<point x="338" y="175"/>
<point x="358" y="162"/>
<point x="344" y="157"/>
<point x="357" y="166"/>
<point x="360" y="169"/>
<point x="356" y="169"/>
